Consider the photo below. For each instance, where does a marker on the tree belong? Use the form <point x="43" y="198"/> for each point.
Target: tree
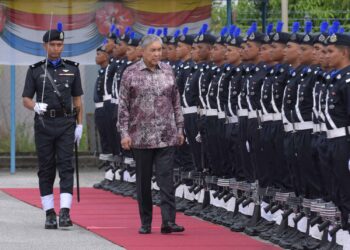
<point x="247" y="11"/>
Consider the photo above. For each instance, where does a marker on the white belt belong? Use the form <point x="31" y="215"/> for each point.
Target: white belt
<point x="242" y="112"/>
<point x="288" y="127"/>
<point x="211" y="112"/>
<point x="107" y="97"/>
<point x="232" y="119"/>
<point x="338" y="132"/>
<point x="115" y="101"/>
<point x="221" y="115"/>
<point x="316" y="128"/>
<point x="267" y="117"/>
<point x="99" y="105"/>
<point x="323" y="127"/>
<point x="303" y="125"/>
<point x="277" y="117"/>
<point x="253" y="114"/>
<point x="190" y="110"/>
<point x="202" y="112"/>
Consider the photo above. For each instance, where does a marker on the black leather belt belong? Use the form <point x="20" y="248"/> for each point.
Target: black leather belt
<point x="53" y="113"/>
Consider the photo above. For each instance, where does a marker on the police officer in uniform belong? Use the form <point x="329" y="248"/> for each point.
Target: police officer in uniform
<point x="291" y="56"/>
<point x="201" y="48"/>
<point x="337" y="113"/>
<point x="110" y="143"/>
<point x="230" y="94"/>
<point x="302" y="115"/>
<point x="186" y="154"/>
<point x="215" y="111"/>
<point x="57" y="123"/>
<point x="279" y="178"/>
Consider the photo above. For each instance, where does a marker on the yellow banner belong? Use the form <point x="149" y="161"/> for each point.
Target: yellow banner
<point x="165" y="6"/>
<point x="65" y="7"/>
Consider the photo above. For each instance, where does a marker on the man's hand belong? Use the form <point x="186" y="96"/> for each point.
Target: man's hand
<point x="40" y="108"/>
<point x="78" y="133"/>
<point x="126" y="143"/>
<point x="180" y="138"/>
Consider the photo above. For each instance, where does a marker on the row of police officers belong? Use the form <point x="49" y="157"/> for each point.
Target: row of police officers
<point x="269" y="108"/>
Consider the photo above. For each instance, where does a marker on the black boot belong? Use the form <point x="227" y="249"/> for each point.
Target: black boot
<point x="64" y="218"/>
<point x="51" y="220"/>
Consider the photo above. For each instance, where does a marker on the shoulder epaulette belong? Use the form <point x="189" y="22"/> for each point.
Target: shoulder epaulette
<point x="37" y="64"/>
<point x="71" y="62"/>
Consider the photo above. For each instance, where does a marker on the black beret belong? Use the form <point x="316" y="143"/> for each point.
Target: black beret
<point x="339" y="39"/>
<point x="134" y="42"/>
<point x="320" y="38"/>
<point x="221" y="40"/>
<point x="205" y="38"/>
<point x="188" y="39"/>
<point x="102" y="48"/>
<point x="166" y="39"/>
<point x="124" y="37"/>
<point x="255" y="37"/>
<point x="53" y="35"/>
<point x="234" y="41"/>
<point x="295" y="38"/>
<point x="281" y="37"/>
<point x="307" y="39"/>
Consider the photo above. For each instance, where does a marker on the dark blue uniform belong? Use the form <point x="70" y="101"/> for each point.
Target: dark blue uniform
<point x="100" y="118"/>
<point x="54" y="134"/>
<point x="337" y="112"/>
<point x="242" y="112"/>
<point x="254" y="84"/>
<point x="189" y="101"/>
<point x="288" y="105"/>
<point x="309" y="174"/>
<point x="183" y="156"/>
<point x="279" y="177"/>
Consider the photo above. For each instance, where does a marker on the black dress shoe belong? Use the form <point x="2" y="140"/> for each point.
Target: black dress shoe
<point x="64" y="218"/>
<point x="171" y="227"/>
<point x="145" y="229"/>
<point x="51" y="220"/>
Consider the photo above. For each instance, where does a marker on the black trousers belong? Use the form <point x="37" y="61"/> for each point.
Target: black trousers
<point x="103" y="130"/>
<point x="310" y="177"/>
<point x="54" y="146"/>
<point x="254" y="142"/>
<point x="213" y="145"/>
<point x="191" y="130"/>
<point x="246" y="163"/>
<point x="110" y="120"/>
<point x="265" y="169"/>
<point x="339" y="154"/>
<point x="326" y="171"/>
<point x="233" y="151"/>
<point x="280" y="172"/>
<point x="183" y="158"/>
<point x="162" y="159"/>
<point x="290" y="156"/>
<point x="204" y="145"/>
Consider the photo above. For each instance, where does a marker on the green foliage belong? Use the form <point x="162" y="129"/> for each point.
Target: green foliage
<point x="248" y="11"/>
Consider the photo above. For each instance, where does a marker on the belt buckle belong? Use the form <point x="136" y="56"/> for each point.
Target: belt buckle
<point x="52" y="113"/>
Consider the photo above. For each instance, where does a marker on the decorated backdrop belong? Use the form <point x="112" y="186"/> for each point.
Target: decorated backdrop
<point x="85" y="23"/>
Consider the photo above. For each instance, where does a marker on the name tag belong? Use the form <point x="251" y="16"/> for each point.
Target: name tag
<point x="66" y="74"/>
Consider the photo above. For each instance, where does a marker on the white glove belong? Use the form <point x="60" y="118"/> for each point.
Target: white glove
<point x="198" y="138"/>
<point x="78" y="133"/>
<point x="40" y="108"/>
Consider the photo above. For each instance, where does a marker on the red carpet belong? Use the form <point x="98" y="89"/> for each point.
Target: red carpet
<point x="116" y="219"/>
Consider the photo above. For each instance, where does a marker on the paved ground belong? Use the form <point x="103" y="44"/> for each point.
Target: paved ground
<point x="21" y="225"/>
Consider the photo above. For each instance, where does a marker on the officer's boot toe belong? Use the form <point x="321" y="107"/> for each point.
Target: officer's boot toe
<point x="64" y="218"/>
<point x="51" y="220"/>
